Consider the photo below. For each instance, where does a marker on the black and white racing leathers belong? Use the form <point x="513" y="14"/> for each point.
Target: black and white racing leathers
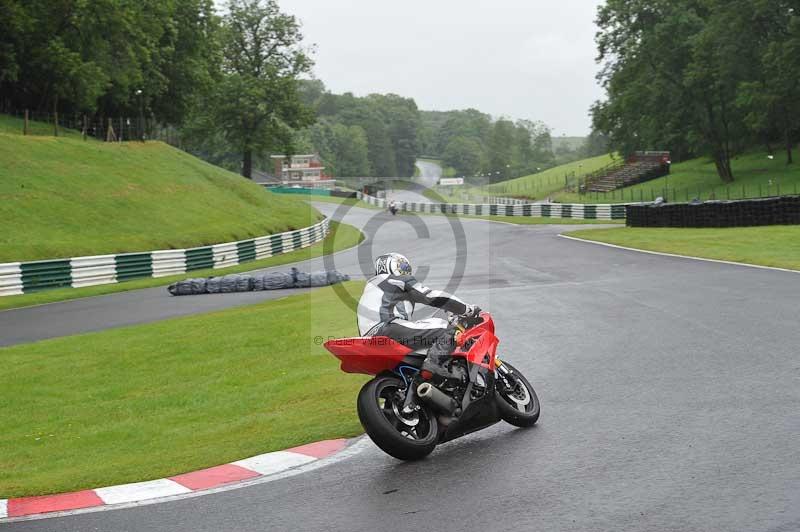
<point x="386" y="307"/>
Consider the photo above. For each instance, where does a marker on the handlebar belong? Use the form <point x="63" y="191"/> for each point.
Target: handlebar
<point x="465" y="322"/>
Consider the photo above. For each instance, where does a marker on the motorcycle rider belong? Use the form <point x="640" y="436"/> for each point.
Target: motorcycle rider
<point x="386" y="306"/>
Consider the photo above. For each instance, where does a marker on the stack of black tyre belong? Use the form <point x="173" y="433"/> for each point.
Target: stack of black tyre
<point x="784" y="210"/>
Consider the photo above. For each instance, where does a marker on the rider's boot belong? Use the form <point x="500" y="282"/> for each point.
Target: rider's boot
<point x="438" y="356"/>
<point x="438" y="369"/>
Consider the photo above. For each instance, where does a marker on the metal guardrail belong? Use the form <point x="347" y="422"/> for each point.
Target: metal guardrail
<point x="26" y="277"/>
<point x="581" y="211"/>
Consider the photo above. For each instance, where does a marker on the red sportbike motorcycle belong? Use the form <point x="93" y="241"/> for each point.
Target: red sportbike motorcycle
<point x="407" y="412"/>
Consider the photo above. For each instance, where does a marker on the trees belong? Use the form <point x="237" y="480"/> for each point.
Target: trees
<point x="256" y="102"/>
<point x="501" y="148"/>
<point x="391" y="124"/>
<point x="698" y="76"/>
<point x="80" y="56"/>
<point x="401" y="117"/>
<point x="771" y="99"/>
<point x="465" y="154"/>
<point x="344" y="149"/>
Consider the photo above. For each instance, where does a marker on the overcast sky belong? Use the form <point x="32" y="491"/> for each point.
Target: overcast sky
<point x="519" y="58"/>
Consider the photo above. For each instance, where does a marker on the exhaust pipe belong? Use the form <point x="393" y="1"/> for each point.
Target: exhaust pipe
<point x="438" y="400"/>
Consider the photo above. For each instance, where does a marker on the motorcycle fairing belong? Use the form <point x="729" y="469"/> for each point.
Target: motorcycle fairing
<point x="478" y="345"/>
<point x="371" y="355"/>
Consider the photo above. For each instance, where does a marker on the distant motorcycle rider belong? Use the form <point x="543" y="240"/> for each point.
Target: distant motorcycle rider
<point x="386" y="306"/>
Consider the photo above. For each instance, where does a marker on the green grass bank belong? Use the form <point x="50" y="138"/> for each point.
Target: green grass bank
<point x="756" y="175"/>
<point x="66" y="197"/>
<point x="777" y="245"/>
<point x="549" y="181"/>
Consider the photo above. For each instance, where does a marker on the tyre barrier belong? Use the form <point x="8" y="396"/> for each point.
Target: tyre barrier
<point x="25" y="277"/>
<point x="580" y="211"/>
<point x="783" y="210"/>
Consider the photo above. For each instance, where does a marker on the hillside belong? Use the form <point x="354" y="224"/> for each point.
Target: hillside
<point x="755" y="174"/>
<point x="65" y="197"/>
<point x="545" y="183"/>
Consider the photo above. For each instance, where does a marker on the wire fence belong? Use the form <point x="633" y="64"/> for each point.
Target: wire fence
<point x="558" y="187"/>
<point x="107" y="129"/>
<point x="733" y="191"/>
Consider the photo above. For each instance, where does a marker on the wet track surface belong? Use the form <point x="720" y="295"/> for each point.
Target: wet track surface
<point x="669" y="390"/>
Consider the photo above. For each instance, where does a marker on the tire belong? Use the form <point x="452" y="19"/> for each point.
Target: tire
<point x="511" y="409"/>
<point x="385" y="428"/>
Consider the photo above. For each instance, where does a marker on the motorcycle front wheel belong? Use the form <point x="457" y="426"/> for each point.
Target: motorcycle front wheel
<point x="517" y="403"/>
<point x="405" y="436"/>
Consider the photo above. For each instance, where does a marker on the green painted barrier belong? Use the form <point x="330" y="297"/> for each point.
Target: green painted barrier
<point x="46" y="274"/>
<point x="134" y="266"/>
<point x="305" y="191"/>
<point x="246" y="250"/>
<point x="199" y="258"/>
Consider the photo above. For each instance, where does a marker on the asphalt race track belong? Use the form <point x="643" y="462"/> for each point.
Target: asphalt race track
<point x="669" y="389"/>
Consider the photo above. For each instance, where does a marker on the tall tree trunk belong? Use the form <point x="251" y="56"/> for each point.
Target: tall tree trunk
<point x="722" y="161"/>
<point x="720" y="148"/>
<point x="247" y="163"/>
<point x="788" y="138"/>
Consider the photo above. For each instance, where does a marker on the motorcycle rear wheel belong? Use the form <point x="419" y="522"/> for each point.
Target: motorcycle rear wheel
<point x="403" y="436"/>
<point x="520" y="406"/>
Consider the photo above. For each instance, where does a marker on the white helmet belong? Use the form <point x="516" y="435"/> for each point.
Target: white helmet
<point x="392" y="264"/>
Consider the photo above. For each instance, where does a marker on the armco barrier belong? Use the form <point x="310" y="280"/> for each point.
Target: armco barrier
<point x="740" y="213"/>
<point x="536" y="210"/>
<point x="26" y="277"/>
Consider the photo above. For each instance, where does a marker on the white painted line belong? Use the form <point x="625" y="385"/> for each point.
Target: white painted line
<point x="271" y="463"/>
<point x="704" y="259"/>
<point x="3" y="508"/>
<point x="139" y="491"/>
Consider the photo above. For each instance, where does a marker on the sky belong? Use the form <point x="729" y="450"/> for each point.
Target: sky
<point x="531" y="59"/>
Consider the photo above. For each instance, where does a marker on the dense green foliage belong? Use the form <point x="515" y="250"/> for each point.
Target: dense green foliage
<point x="79" y="56"/>
<point x="700" y="77"/>
<point x="371" y="136"/>
<point x="65" y="197"/>
<point x="486" y="151"/>
<point x="230" y="81"/>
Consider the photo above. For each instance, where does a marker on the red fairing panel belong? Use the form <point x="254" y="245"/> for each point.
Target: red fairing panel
<point x="484" y="350"/>
<point x="371" y="355"/>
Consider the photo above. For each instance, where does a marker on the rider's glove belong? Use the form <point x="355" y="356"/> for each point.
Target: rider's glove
<point x="472" y="311"/>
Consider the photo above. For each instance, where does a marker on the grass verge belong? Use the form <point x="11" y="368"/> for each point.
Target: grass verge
<point x="344" y="236"/>
<point x="777" y="245"/>
<point x="66" y="197"/>
<point x="155" y="400"/>
<point x="549" y="181"/>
